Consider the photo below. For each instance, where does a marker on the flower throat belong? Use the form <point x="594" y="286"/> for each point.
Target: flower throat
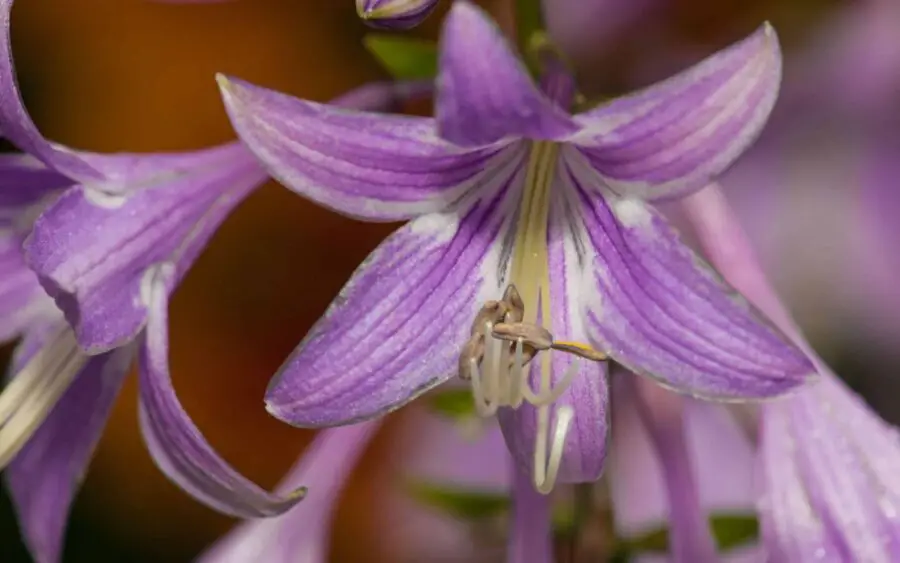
<point x="507" y="334"/>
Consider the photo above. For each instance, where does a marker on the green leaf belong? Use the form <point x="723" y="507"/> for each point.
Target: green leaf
<point x="456" y="404"/>
<point x="406" y="58"/>
<point x="466" y="504"/>
<point x="729" y="530"/>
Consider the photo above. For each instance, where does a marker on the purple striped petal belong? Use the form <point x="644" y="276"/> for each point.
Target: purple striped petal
<point x="662" y="312"/>
<point x="484" y="93"/>
<point x="26" y="187"/>
<point x="46" y="474"/>
<point x="15" y="123"/>
<point x="397" y="327"/>
<point x="367" y="165"/>
<point x="92" y="249"/>
<point x="830" y="468"/>
<point x="585" y="444"/>
<point x="301" y="535"/>
<point x="176" y="445"/>
<point x="394" y="14"/>
<point x="674" y="138"/>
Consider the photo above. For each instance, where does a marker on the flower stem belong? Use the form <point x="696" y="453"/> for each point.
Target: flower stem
<point x="529" y="16"/>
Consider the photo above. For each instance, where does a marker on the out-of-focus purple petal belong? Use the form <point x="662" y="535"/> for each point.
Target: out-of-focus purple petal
<point x="484" y="93"/>
<point x="831" y="473"/>
<point x="830" y="465"/>
<point x="394" y="14"/>
<point x="662" y="312"/>
<point x="366" y="165"/>
<point x="16" y="124"/>
<point x="301" y="535"/>
<point x="442" y="452"/>
<point x="176" y="445"/>
<point x="675" y="137"/>
<point x="46" y="474"/>
<point x="92" y="249"/>
<point x="587" y="395"/>
<point x="397" y="327"/>
<point x="531" y="531"/>
<point x="647" y="467"/>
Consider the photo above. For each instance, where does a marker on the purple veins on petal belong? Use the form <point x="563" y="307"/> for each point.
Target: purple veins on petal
<point x="91" y="248"/>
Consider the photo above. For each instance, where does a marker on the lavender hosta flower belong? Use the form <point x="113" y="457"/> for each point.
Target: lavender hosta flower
<point x="56" y="399"/>
<point x="675" y="463"/>
<point x="110" y="237"/>
<point x="394" y="14"/>
<point x="300" y="535"/>
<point x="505" y="190"/>
<point x="830" y="466"/>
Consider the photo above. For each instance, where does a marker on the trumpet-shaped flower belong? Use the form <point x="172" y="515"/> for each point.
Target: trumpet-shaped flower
<point x="531" y="237"/>
<point x="829" y="465"/>
<point x="108" y="237"/>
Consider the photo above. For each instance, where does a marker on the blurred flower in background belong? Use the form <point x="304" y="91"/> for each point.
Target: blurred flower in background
<point x="816" y="194"/>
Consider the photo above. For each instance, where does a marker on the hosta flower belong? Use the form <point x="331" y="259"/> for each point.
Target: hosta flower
<point x="109" y="237"/>
<point x="394" y="14"/>
<point x="524" y="216"/>
<point x="828" y="464"/>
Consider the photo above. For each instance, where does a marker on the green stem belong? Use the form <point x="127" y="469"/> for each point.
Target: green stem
<point x="529" y="21"/>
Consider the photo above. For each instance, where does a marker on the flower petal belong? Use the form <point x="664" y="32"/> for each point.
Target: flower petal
<point x="397" y="327"/>
<point x="175" y="443"/>
<point x="484" y="93"/>
<point x="674" y="138"/>
<point x="586" y="442"/>
<point x="300" y="535"/>
<point x="367" y="165"/>
<point x="531" y="531"/>
<point x="26" y="186"/>
<point x="831" y="470"/>
<point x="16" y="124"/>
<point x="91" y="249"/>
<point x="670" y="469"/>
<point x="662" y="312"/>
<point x="448" y="454"/>
<point x="46" y="474"/>
<point x="21" y="296"/>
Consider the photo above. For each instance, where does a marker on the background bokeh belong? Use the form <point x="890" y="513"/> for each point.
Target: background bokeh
<point x="111" y="75"/>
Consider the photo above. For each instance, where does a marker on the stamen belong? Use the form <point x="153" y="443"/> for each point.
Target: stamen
<point x="507" y="334"/>
<point x="34" y="391"/>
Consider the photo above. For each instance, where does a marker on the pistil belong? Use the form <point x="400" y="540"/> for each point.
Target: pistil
<point x="507" y="334"/>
